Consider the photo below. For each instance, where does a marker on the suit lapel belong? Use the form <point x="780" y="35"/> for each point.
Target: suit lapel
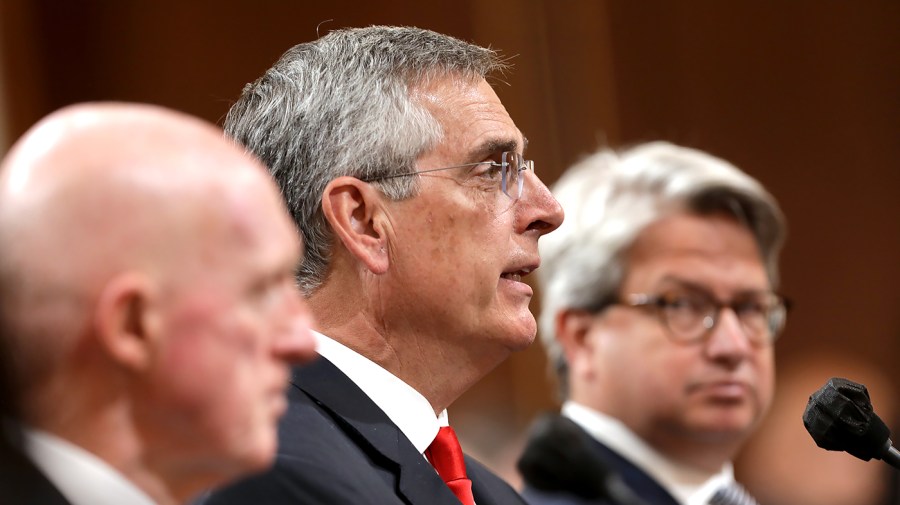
<point x="371" y="429"/>
<point x="562" y="458"/>
<point x="488" y="488"/>
<point x="639" y="481"/>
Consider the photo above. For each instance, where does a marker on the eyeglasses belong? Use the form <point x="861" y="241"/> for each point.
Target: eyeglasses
<point x="510" y="167"/>
<point x="691" y="314"/>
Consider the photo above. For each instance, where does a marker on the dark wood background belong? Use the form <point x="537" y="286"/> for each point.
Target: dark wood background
<point x="804" y="95"/>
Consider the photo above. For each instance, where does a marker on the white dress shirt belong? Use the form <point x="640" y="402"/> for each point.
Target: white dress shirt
<point x="689" y="486"/>
<point x="83" y="478"/>
<point x="405" y="406"/>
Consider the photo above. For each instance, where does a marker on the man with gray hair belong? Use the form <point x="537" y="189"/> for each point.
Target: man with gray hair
<point x="659" y="317"/>
<point x="420" y="217"/>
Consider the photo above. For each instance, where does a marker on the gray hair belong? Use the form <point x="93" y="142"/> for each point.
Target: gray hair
<point x="344" y="105"/>
<point x="610" y="197"/>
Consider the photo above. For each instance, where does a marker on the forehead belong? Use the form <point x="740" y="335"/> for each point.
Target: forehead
<point x="713" y="251"/>
<point x="474" y="121"/>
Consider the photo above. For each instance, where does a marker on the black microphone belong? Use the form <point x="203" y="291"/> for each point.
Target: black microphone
<point x="840" y="417"/>
<point x="559" y="458"/>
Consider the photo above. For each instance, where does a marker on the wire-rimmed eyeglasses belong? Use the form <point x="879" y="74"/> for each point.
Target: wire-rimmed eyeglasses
<point x="510" y="167"/>
<point x="690" y="315"/>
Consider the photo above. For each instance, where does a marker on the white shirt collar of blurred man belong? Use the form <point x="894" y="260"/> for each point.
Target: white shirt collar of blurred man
<point x="405" y="406"/>
<point x="83" y="478"/>
<point x="687" y="485"/>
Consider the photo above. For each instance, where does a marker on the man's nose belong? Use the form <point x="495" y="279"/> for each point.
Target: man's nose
<point x="729" y="338"/>
<point x="296" y="343"/>
<point x="541" y="210"/>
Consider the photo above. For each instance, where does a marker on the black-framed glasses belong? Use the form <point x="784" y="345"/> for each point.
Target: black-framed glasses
<point x="690" y="315"/>
<point x="510" y="168"/>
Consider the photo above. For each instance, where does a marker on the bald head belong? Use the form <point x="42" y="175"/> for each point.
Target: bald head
<point x="96" y="189"/>
<point x="106" y="175"/>
<point x="146" y="264"/>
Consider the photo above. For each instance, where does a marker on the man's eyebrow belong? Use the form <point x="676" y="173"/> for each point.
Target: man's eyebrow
<point x="694" y="286"/>
<point x="495" y="146"/>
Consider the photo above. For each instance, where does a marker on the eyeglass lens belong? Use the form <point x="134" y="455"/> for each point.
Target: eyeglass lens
<point x="691" y="315"/>
<point x="513" y="163"/>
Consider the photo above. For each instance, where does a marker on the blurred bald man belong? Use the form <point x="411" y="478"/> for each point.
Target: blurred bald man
<point x="147" y="298"/>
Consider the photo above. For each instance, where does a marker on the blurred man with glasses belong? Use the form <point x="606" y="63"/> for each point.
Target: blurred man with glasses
<point x="421" y="217"/>
<point x="659" y="316"/>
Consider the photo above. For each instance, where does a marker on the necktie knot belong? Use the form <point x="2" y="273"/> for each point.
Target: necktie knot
<point x="446" y="456"/>
<point x="732" y="494"/>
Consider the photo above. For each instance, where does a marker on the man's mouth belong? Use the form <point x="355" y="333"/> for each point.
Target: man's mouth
<point x="516" y="275"/>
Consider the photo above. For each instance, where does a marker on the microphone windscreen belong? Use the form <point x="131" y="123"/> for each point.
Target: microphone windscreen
<point x="558" y="458"/>
<point x="839" y="417"/>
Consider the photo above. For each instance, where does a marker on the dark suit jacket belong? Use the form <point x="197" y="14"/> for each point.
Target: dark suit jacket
<point x="21" y="483"/>
<point x="562" y="461"/>
<point x="337" y="447"/>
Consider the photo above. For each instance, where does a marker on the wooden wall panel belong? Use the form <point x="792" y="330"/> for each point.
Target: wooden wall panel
<point x="23" y="86"/>
<point x="803" y="95"/>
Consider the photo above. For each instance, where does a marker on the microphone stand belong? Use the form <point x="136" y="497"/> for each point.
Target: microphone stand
<point x="892" y="457"/>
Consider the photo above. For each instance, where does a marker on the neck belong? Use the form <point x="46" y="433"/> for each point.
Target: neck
<point x="705" y="454"/>
<point x="103" y="430"/>
<point x="99" y="417"/>
<point x="429" y="362"/>
<point x="703" y="451"/>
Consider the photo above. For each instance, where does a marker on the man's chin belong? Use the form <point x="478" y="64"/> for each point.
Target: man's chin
<point x="725" y="428"/>
<point x="522" y="335"/>
<point x="261" y="456"/>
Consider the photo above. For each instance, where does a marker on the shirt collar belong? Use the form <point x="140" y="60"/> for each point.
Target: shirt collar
<point x="406" y="407"/>
<point x="83" y="478"/>
<point x="687" y="485"/>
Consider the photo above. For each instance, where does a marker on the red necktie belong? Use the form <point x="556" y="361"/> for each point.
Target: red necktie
<point x="446" y="456"/>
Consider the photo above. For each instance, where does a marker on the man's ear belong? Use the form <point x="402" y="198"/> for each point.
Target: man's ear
<point x="124" y="321"/>
<point x="572" y="329"/>
<point x="353" y="208"/>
